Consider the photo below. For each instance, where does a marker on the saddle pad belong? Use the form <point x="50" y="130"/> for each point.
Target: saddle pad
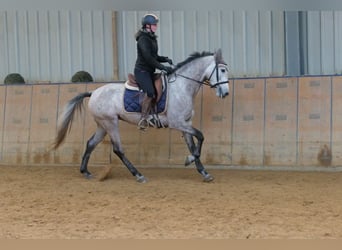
<point x="133" y="98"/>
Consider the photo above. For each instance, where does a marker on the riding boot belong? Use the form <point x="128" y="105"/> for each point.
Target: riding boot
<point x="153" y="106"/>
<point x="145" y="112"/>
<point x="155" y="121"/>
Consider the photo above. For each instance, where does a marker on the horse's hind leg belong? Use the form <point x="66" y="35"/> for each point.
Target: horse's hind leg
<point x="200" y="168"/>
<point x="96" y="138"/>
<point x="140" y="178"/>
<point x="117" y="149"/>
<point x="196" y="153"/>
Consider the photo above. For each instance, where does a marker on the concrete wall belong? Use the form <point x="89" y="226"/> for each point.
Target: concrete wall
<point x="290" y="122"/>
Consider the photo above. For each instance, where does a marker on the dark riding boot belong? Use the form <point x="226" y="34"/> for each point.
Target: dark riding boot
<point x="154" y="106"/>
<point x="145" y="112"/>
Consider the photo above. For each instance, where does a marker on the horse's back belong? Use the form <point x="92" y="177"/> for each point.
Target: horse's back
<point x="106" y="100"/>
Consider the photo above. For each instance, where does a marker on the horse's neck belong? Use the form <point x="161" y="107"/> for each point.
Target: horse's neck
<point x="197" y="68"/>
<point x="191" y="76"/>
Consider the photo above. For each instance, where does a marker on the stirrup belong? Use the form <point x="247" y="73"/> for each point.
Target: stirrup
<point x="155" y="122"/>
<point x="143" y="124"/>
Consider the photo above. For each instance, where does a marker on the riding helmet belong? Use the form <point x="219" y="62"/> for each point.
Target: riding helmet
<point x="149" y="19"/>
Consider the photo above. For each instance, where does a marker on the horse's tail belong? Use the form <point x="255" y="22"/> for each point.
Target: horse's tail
<point x="67" y="117"/>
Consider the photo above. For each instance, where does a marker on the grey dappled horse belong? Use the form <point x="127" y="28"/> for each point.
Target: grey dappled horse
<point x="107" y="108"/>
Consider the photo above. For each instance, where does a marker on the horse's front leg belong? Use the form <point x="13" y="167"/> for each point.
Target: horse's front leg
<point x="191" y="146"/>
<point x="195" y="151"/>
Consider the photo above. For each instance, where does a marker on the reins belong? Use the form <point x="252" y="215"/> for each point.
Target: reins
<point x="207" y="81"/>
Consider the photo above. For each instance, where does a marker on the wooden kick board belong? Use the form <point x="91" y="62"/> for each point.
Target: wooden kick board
<point x="70" y="152"/>
<point x="336" y="136"/>
<point x="16" y="124"/>
<point x="314" y="116"/>
<point x="217" y="125"/>
<point x="248" y="122"/>
<point x="2" y="116"/>
<point x="43" y="123"/>
<point x="281" y="122"/>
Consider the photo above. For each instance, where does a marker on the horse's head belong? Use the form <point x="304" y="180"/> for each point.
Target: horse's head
<point x="210" y="69"/>
<point x="217" y="75"/>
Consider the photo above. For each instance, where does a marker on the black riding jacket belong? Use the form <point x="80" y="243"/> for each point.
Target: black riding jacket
<point x="147" y="50"/>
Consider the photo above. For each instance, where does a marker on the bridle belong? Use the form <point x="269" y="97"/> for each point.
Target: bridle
<point x="207" y="81"/>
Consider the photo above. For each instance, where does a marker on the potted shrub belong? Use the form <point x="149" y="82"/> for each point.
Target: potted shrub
<point x="14" y="78"/>
<point x="82" y="76"/>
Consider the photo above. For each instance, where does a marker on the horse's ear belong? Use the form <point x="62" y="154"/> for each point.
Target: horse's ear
<point x="218" y="56"/>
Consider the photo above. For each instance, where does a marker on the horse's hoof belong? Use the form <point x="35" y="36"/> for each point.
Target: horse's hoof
<point x="189" y="159"/>
<point x="88" y="176"/>
<point x="208" y="178"/>
<point x="141" y="179"/>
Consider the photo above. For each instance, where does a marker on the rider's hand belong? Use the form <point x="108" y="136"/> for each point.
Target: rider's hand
<point x="168" y="69"/>
<point x="169" y="61"/>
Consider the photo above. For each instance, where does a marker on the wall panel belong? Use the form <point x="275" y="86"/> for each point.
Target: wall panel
<point x="248" y="122"/>
<point x="324" y="33"/>
<point x="281" y="122"/>
<point x="336" y="131"/>
<point x="17" y="113"/>
<point x="70" y="152"/>
<point x="43" y="122"/>
<point x="52" y="45"/>
<point x="217" y="125"/>
<point x="252" y="41"/>
<point x="314" y="120"/>
<point x="17" y="123"/>
<point x="2" y="117"/>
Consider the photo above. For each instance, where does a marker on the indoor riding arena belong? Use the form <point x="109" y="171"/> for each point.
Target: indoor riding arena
<point x="273" y="145"/>
<point x="249" y="136"/>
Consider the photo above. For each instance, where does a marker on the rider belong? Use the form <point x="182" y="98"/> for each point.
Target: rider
<point x="147" y="62"/>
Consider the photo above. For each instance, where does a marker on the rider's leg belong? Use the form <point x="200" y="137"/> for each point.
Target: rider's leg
<point x="145" y="81"/>
<point x="145" y="112"/>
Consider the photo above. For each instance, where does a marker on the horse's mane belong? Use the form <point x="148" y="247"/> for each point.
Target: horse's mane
<point x="192" y="57"/>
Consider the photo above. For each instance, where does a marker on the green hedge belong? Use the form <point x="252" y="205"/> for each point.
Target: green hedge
<point x="14" y="78"/>
<point x="82" y="76"/>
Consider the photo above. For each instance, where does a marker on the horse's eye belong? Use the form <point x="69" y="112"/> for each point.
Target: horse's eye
<point x="223" y="70"/>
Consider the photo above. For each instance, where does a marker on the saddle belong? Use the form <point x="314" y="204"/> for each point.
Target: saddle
<point x="158" y="84"/>
<point x="133" y="96"/>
